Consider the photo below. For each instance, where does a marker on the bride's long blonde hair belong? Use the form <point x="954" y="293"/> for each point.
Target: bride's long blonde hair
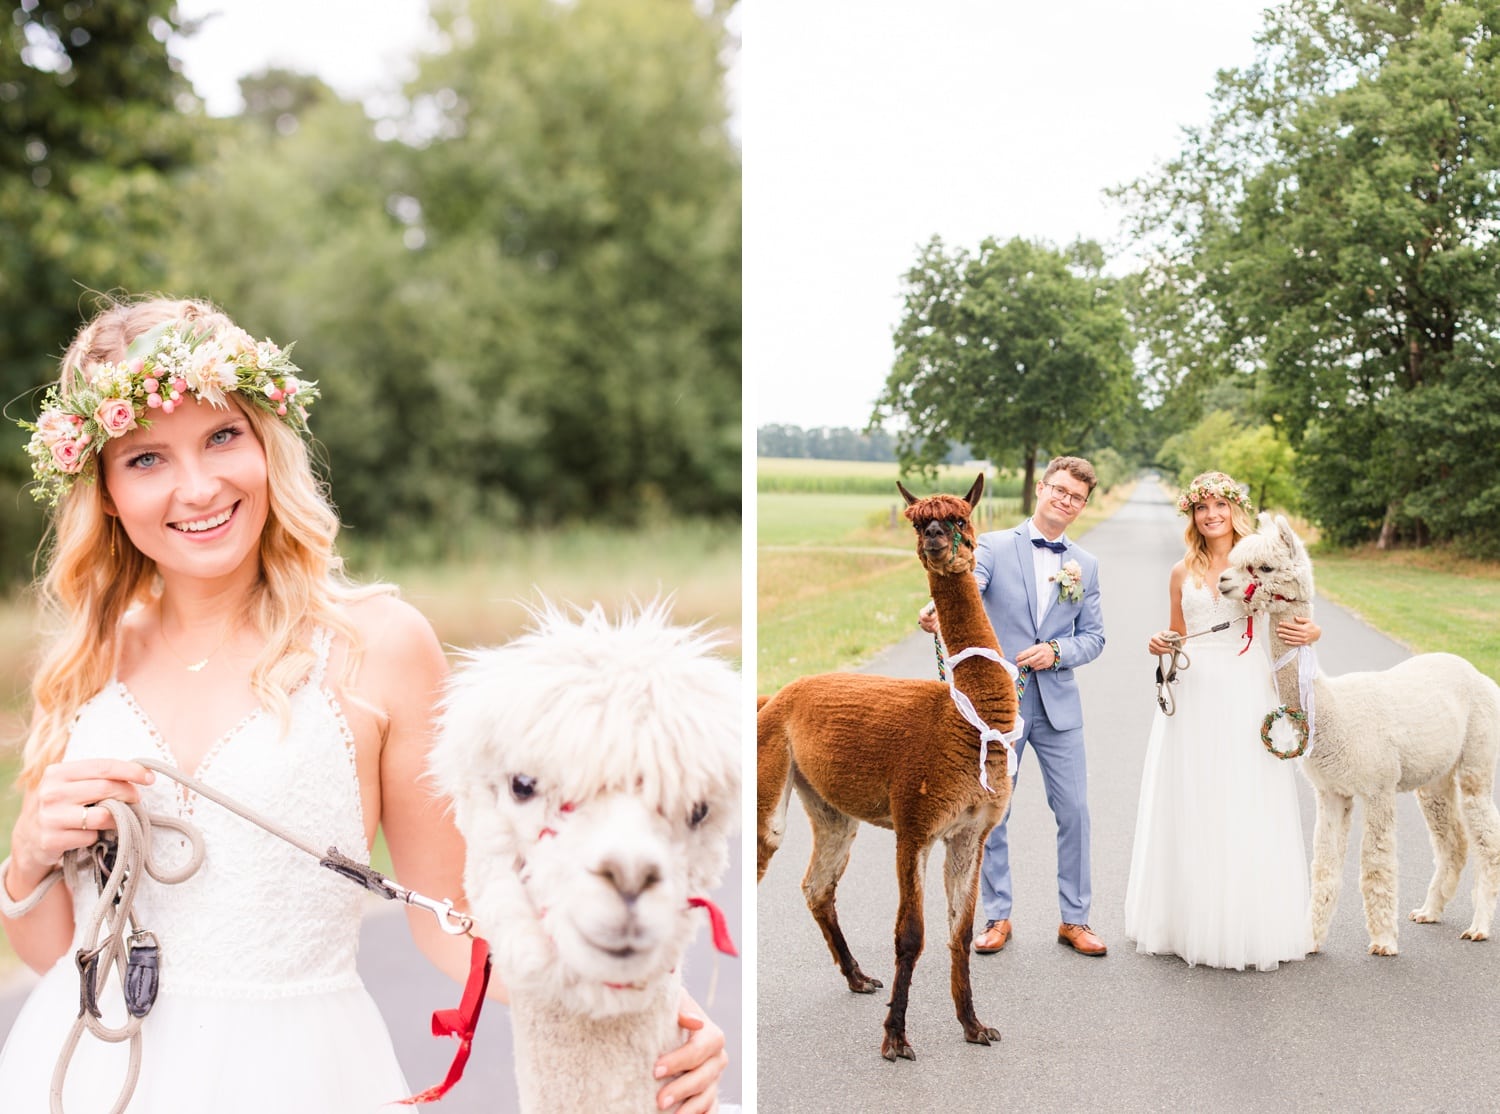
<point x="94" y="575"/>
<point x="1198" y="560"/>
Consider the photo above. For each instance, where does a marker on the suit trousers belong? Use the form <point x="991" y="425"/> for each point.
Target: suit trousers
<point x="1060" y="755"/>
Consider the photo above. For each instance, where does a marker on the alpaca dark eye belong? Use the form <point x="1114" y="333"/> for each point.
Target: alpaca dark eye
<point x="1265" y="568"/>
<point x="698" y="815"/>
<point x="523" y="787"/>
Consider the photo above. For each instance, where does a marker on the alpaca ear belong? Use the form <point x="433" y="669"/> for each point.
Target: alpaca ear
<point x="1288" y="535"/>
<point x="975" y="492"/>
<point x="908" y="496"/>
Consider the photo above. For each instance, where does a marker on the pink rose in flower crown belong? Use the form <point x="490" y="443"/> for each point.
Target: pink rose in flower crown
<point x="115" y="416"/>
<point x="68" y="455"/>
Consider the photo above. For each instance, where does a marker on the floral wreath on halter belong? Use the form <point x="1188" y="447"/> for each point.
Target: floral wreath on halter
<point x="1213" y="485"/>
<point x="96" y="404"/>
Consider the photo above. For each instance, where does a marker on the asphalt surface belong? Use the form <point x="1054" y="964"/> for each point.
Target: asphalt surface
<point x="408" y="989"/>
<point x="1338" y="1031"/>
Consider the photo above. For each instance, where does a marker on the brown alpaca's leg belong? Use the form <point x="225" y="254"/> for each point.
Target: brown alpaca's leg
<point x="833" y="835"/>
<point x="961" y="879"/>
<point x="773" y="760"/>
<point x="1450" y="847"/>
<point x="910" y="856"/>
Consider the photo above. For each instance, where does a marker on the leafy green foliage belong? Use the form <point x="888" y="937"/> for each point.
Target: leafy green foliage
<point x="1331" y="232"/>
<point x="1017" y="350"/>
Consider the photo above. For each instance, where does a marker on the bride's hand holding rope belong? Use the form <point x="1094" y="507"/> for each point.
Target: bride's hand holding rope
<point x="60" y="815"/>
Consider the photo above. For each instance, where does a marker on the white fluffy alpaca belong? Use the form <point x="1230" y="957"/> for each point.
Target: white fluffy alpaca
<point x="1430" y="724"/>
<point x="594" y="771"/>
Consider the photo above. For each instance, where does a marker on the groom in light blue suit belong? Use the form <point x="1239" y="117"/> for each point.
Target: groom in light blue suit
<point x="1048" y="624"/>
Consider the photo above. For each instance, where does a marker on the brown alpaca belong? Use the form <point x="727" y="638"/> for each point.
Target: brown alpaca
<point x="898" y="753"/>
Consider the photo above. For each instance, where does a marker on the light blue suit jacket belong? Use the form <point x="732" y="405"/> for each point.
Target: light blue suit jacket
<point x="1004" y="568"/>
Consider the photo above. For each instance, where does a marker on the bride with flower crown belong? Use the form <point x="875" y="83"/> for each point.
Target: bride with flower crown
<point x="203" y="623"/>
<point x="1218" y="871"/>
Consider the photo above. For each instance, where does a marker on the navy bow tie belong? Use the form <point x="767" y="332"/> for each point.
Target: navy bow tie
<point x="1043" y="543"/>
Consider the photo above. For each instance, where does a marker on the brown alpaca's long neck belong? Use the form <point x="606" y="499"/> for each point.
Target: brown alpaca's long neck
<point x="961" y="613"/>
<point x="964" y="624"/>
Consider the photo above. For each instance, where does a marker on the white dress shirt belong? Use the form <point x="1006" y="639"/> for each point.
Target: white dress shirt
<point x="1046" y="564"/>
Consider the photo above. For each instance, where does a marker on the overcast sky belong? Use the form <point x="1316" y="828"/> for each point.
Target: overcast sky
<point x="359" y="47"/>
<point x="871" y="126"/>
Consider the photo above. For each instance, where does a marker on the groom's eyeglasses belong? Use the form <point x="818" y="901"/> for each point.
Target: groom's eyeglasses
<point x="1063" y="495"/>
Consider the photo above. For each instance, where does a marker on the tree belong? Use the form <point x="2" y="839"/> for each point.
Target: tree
<point x="97" y="124"/>
<point x="1016" y="350"/>
<point x="1332" y="233"/>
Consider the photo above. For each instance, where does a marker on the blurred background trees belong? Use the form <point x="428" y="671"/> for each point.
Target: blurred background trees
<point x="520" y="294"/>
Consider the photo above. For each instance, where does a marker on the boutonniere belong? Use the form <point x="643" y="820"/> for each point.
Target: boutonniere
<point x="1069" y="581"/>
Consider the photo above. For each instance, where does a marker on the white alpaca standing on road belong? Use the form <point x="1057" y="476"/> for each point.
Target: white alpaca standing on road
<point x="1430" y="724"/>
<point x="594" y="770"/>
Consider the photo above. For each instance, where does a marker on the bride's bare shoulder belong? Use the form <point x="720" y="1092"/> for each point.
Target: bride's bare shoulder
<point x="396" y="640"/>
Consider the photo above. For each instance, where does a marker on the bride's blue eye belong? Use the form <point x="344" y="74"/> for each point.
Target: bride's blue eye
<point x="223" y="436"/>
<point x="141" y="460"/>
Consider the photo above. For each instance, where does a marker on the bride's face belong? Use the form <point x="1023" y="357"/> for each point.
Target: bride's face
<point x="1212" y="517"/>
<point x="191" y="491"/>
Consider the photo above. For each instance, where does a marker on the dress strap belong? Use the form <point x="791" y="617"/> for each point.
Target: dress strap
<point x="322" y="642"/>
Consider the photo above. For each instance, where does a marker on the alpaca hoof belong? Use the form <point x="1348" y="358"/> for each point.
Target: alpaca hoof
<point x="1422" y="916"/>
<point x="1475" y="934"/>
<point x="861" y="983"/>
<point x="893" y="1047"/>
<point x="1378" y="948"/>
<point x="983" y="1034"/>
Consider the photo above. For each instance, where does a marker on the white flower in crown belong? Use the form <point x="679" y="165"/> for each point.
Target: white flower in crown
<point x="1069" y="581"/>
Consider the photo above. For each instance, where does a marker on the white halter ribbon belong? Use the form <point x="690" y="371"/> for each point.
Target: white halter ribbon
<point x="965" y="706"/>
<point x="1307" y="669"/>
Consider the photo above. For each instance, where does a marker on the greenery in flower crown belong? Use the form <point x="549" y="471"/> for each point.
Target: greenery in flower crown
<point x="161" y="368"/>
<point x="1213" y="485"/>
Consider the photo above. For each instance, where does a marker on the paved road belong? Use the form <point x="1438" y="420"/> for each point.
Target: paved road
<point x="407" y="989"/>
<point x="1339" y="1031"/>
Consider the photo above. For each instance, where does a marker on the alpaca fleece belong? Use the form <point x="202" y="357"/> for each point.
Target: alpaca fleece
<point x="897" y="753"/>
<point x="1430" y="725"/>
<point x="594" y="773"/>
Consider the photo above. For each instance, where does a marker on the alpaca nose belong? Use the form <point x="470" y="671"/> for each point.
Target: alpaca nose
<point x="631" y="877"/>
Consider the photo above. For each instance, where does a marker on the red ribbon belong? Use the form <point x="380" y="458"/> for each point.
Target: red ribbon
<point x="1249" y="618"/>
<point x="460" y="1023"/>
<point x="718" y="921"/>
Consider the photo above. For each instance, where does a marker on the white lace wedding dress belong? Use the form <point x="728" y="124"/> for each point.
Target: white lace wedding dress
<point x="1218" y="873"/>
<point x="260" y="1007"/>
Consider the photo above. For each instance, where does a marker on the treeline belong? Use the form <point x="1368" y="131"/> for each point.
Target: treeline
<point x="520" y="294"/>
<point x="836" y="443"/>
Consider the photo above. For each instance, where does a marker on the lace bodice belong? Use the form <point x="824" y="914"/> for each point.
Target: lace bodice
<point x="260" y="918"/>
<point x="1204" y="608"/>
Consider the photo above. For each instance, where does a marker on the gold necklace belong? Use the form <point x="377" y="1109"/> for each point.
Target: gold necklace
<point x="197" y="666"/>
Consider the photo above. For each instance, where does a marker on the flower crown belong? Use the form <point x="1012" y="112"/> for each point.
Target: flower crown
<point x="161" y="367"/>
<point x="1213" y="485"/>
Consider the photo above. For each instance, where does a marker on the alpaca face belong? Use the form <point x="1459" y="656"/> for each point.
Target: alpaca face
<point x="1269" y="570"/>
<point x="945" y="534"/>
<point x="594" y="774"/>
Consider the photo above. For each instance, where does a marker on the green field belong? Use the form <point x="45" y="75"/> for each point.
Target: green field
<point x="870" y="477"/>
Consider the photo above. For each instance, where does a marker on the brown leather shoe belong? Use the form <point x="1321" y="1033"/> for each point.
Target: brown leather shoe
<point x="1080" y="938"/>
<point x="993" y="938"/>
